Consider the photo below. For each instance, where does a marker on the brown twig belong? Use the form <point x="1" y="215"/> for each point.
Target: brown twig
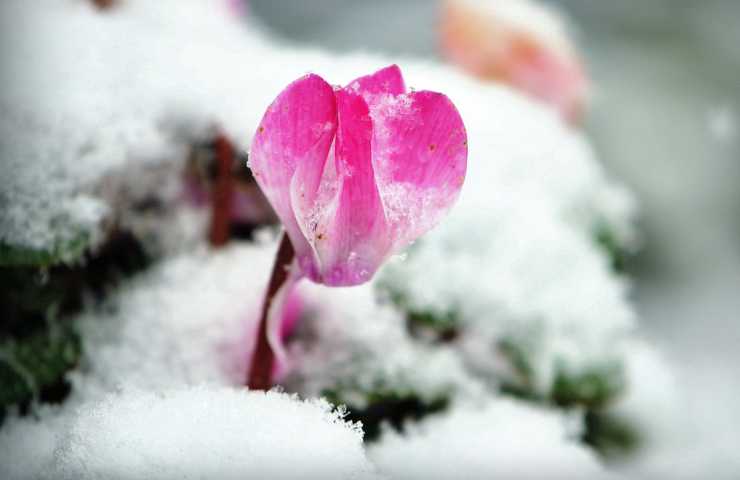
<point x="222" y="193"/>
<point x="260" y="372"/>
<point x="104" y="4"/>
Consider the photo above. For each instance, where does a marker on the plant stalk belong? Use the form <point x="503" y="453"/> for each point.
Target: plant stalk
<point x="263" y="358"/>
<point x="223" y="191"/>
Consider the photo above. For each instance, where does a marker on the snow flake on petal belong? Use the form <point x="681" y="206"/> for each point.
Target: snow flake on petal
<point x="420" y="158"/>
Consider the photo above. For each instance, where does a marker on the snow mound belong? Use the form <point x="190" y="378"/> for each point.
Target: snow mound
<point x="27" y="444"/>
<point x="354" y="347"/>
<point x="188" y="321"/>
<point x="502" y="439"/>
<point x="203" y="432"/>
<point x="513" y="273"/>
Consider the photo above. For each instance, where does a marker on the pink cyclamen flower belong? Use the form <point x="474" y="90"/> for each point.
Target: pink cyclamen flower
<point x="356" y="173"/>
<point x="518" y="42"/>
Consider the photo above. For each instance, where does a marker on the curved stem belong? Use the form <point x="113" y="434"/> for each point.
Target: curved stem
<point x="263" y="358"/>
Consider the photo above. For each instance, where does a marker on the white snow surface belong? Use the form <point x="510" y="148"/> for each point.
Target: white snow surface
<point x="501" y="439"/>
<point x="511" y="269"/>
<point x="350" y="341"/>
<point x="186" y="323"/>
<point x="200" y="432"/>
<point x="187" y="432"/>
<point x="189" y="321"/>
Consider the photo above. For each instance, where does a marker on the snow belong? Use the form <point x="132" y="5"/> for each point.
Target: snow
<point x="501" y="439"/>
<point x="188" y="321"/>
<point x="151" y="336"/>
<point x="210" y="433"/>
<point x="338" y="348"/>
<point x="36" y="213"/>
<point x="187" y="432"/>
<point x="27" y="444"/>
<point x="527" y="220"/>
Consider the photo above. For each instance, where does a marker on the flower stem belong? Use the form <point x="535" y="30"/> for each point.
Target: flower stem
<point x="104" y="4"/>
<point x="260" y="371"/>
<point x="222" y="193"/>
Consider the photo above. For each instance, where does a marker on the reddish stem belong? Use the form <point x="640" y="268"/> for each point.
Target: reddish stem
<point x="104" y="4"/>
<point x="222" y="193"/>
<point x="260" y="372"/>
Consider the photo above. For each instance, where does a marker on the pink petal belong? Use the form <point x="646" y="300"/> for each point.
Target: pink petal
<point x="292" y="311"/>
<point x="290" y="149"/>
<point x="386" y="80"/>
<point x="287" y="307"/>
<point x="351" y="241"/>
<point x="420" y="157"/>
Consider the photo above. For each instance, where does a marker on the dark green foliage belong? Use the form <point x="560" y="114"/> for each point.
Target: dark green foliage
<point x="38" y="342"/>
<point x="34" y="366"/>
<point x="15" y="256"/>
<point x="521" y="385"/>
<point x="617" y="253"/>
<point x="611" y="436"/>
<point x="441" y="327"/>
<point x="593" y="388"/>
<point x="29" y="293"/>
<point x="387" y="406"/>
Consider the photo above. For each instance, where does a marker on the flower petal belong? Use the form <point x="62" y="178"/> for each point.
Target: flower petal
<point x="351" y="241"/>
<point x="386" y="80"/>
<point x="291" y="146"/>
<point x="286" y="307"/>
<point x="420" y="158"/>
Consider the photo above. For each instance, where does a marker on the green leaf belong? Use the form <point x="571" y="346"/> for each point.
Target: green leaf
<point x="380" y="406"/>
<point x="61" y="252"/>
<point x="35" y="365"/>
<point x="613" y="437"/>
<point x="594" y="387"/>
<point x="609" y="243"/>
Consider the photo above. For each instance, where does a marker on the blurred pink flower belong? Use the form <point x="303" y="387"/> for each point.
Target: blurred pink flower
<point x="356" y="173"/>
<point x="238" y="8"/>
<point x="518" y="42"/>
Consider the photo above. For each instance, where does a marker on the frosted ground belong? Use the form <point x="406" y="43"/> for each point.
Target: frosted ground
<point x="161" y="374"/>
